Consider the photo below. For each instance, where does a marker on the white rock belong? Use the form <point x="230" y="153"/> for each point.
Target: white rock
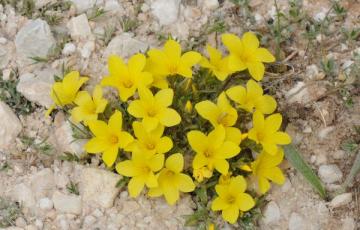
<point x="31" y="227"/>
<point x="209" y="4"/>
<point x="339" y="154"/>
<point x="99" y="186"/>
<point x="39" y="224"/>
<point x="87" y="49"/>
<point x="348" y="224"/>
<point x="296" y="222"/>
<point x="125" y="45"/>
<point x="89" y="221"/>
<point x="320" y="16"/>
<point x="324" y="132"/>
<point x="341" y="200"/>
<point x="112" y="6"/>
<point x="10" y="126"/>
<point x="79" y="27"/>
<point x="330" y="173"/>
<point x="299" y="93"/>
<point x="42" y="183"/>
<point x="23" y="194"/>
<point x="5" y="56"/>
<point x="20" y="222"/>
<point x="37" y="87"/>
<point x="6" y="74"/>
<point x="67" y="203"/>
<point x="3" y="40"/>
<point x="34" y="39"/>
<point x="166" y="11"/>
<point x="46" y="204"/>
<point x="84" y="5"/>
<point x="69" y="48"/>
<point x="271" y="213"/>
<point x="312" y="71"/>
<point x="65" y="141"/>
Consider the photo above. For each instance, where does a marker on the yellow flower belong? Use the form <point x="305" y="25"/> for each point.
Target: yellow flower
<point x="232" y="199"/>
<point x="108" y="138"/>
<point x="127" y="78"/>
<point x="265" y="132"/>
<point x="171" y="180"/>
<point x="188" y="106"/>
<point x="211" y="226"/>
<point x="246" y="54"/>
<point x="212" y="150"/>
<point x="265" y="168"/>
<point x="252" y="98"/>
<point x="170" y="61"/>
<point x="219" y="66"/>
<point x="88" y="107"/>
<point x="154" y="109"/>
<point x="223" y="114"/>
<point x="64" y="92"/>
<point x="225" y="178"/>
<point x="150" y="142"/>
<point x="141" y="169"/>
<point x="202" y="173"/>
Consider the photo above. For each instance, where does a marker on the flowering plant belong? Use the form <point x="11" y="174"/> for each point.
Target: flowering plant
<point x="177" y="128"/>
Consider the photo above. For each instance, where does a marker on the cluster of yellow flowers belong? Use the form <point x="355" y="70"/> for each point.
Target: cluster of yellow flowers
<point x="144" y="87"/>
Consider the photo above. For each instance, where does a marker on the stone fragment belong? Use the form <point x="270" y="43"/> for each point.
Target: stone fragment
<point x="67" y="203"/>
<point x="69" y="48"/>
<point x="24" y="195"/>
<point x="34" y="39"/>
<point x="79" y="27"/>
<point x="330" y="173"/>
<point x="341" y="200"/>
<point x="99" y="186"/>
<point x="271" y="213"/>
<point x="10" y="126"/>
<point x="42" y="183"/>
<point x="36" y="86"/>
<point x="46" y="204"/>
<point x="124" y="46"/>
<point x="296" y="222"/>
<point x="166" y="11"/>
<point x="84" y="5"/>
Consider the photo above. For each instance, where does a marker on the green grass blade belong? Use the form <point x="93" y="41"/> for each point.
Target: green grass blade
<point x="295" y="159"/>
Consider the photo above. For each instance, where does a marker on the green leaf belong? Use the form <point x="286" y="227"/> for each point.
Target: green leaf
<point x="293" y="156"/>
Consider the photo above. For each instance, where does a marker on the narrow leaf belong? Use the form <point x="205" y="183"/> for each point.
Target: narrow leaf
<point x="295" y="159"/>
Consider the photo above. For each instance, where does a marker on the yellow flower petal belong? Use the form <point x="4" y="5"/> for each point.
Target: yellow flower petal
<point x="172" y="50"/>
<point x="155" y="192"/>
<point x="190" y="58"/>
<point x="175" y="162"/>
<point x="216" y="137"/>
<point x="164" y="145"/>
<point x="233" y="134"/>
<point x="266" y="104"/>
<point x="221" y="166"/>
<point x="109" y="156"/>
<point x="275" y="175"/>
<point x="219" y="204"/>
<point x="83" y="98"/>
<point x="256" y="70"/>
<point x="137" y="63"/>
<point x="164" y="97"/>
<point x="197" y="141"/>
<point x="127" y="168"/>
<point x="115" y="121"/>
<point x="229" y="149"/>
<point x="151" y="181"/>
<point x="156" y="162"/>
<point x="273" y="123"/>
<point x="254" y="90"/>
<point x="96" y="145"/>
<point x="264" y="185"/>
<point x="116" y="65"/>
<point x="186" y="184"/>
<point x="258" y="120"/>
<point x="237" y="94"/>
<point x="232" y="43"/>
<point x="270" y="148"/>
<point x="281" y="138"/>
<point x="250" y="41"/>
<point x="214" y="54"/>
<point x="125" y="139"/>
<point x="230" y="214"/>
<point x="235" y="63"/>
<point x="136" y="109"/>
<point x="245" y="202"/>
<point x="135" y="186"/>
<point x="98" y="128"/>
<point x="171" y="194"/>
<point x="208" y="111"/>
<point x="169" y="117"/>
<point x="199" y="161"/>
<point x="150" y="123"/>
<point x="264" y="55"/>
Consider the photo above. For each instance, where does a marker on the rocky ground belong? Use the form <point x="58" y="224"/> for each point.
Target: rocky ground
<point x="316" y="84"/>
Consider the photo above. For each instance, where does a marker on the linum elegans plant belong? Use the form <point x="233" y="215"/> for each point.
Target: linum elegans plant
<point x="184" y="121"/>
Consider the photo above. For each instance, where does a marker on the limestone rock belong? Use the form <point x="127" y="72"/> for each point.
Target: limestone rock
<point x="84" y="5"/>
<point x="330" y="173"/>
<point x="67" y="203"/>
<point x="271" y="213"/>
<point x="46" y="204"/>
<point x="23" y="194"/>
<point x="296" y="222"/>
<point x="69" y="48"/>
<point x="125" y="45"/>
<point x="36" y="87"/>
<point x="34" y="39"/>
<point x="79" y="27"/>
<point x="166" y="11"/>
<point x="42" y="183"/>
<point x="10" y="126"/>
<point x="99" y="186"/>
<point x="341" y="200"/>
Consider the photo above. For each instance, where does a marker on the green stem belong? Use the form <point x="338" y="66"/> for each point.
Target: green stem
<point x="277" y="31"/>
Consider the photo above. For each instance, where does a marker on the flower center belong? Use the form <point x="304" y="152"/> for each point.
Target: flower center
<point x="145" y="169"/>
<point x="114" y="139"/>
<point x="150" y="146"/>
<point x="222" y="118"/>
<point x="151" y="112"/>
<point x="260" y="136"/>
<point x="128" y="84"/>
<point x="208" y="153"/>
<point x="173" y="69"/>
<point x="169" y="173"/>
<point x="230" y="199"/>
